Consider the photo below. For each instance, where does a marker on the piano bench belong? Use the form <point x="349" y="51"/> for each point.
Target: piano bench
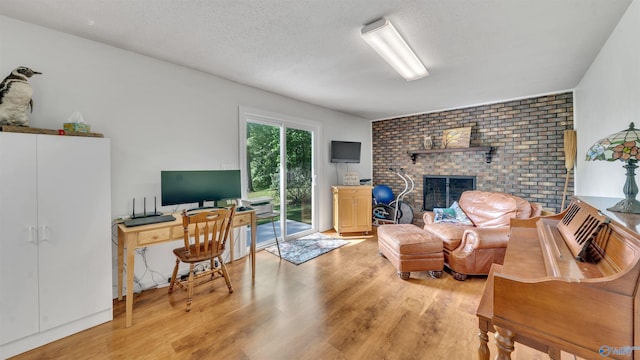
<point x="410" y="248"/>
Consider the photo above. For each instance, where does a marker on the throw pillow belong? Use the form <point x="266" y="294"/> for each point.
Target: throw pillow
<point x="444" y="215"/>
<point x="451" y="215"/>
<point x="460" y="215"/>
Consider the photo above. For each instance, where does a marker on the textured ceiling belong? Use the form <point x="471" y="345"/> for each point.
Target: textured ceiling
<point x="476" y="51"/>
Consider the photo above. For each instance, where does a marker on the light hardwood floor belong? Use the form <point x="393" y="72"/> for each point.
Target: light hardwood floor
<point x="347" y="304"/>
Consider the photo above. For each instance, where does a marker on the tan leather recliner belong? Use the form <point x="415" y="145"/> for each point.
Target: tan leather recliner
<point x="471" y="249"/>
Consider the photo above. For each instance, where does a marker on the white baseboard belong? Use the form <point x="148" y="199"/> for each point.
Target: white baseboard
<point x="31" y="342"/>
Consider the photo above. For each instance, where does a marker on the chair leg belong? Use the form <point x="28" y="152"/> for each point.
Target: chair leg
<point x="225" y="274"/>
<point x="190" y="287"/>
<point x="173" y="276"/>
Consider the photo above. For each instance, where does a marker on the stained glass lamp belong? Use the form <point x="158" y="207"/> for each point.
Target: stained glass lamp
<point x="623" y="146"/>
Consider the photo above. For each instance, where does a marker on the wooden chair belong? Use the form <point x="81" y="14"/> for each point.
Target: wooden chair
<point x="205" y="237"/>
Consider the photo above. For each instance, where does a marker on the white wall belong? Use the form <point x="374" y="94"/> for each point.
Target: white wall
<point x="607" y="99"/>
<point x="157" y="115"/>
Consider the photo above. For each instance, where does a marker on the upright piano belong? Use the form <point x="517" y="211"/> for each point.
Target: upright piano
<point x="569" y="282"/>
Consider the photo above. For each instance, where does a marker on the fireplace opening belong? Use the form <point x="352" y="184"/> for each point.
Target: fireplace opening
<point x="442" y="191"/>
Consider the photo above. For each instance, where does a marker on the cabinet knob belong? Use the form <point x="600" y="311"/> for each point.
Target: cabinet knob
<point x="44" y="233"/>
<point x="32" y="234"/>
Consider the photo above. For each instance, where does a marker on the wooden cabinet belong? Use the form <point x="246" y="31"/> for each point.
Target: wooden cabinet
<point x="351" y="208"/>
<point x="55" y="245"/>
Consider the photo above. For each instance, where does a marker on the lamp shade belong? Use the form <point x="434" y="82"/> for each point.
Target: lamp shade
<point x="623" y="146"/>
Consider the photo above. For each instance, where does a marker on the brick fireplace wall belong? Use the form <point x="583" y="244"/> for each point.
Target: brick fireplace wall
<point x="528" y="160"/>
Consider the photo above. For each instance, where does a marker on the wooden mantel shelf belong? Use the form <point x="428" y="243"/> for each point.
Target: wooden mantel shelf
<point x="486" y="149"/>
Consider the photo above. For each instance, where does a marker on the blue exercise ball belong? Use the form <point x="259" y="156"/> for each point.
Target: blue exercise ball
<point x="383" y="194"/>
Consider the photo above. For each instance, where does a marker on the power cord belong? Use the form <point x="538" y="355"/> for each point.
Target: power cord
<point x="137" y="281"/>
<point x="143" y="253"/>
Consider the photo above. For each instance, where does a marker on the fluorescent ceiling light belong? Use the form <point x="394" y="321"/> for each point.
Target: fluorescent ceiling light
<point x="385" y="39"/>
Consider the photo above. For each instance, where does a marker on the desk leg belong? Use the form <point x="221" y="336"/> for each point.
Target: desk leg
<point x="120" y="262"/>
<point x="130" y="272"/>
<point x="254" y="230"/>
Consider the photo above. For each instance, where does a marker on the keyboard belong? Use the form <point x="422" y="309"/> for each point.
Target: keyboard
<point x="148" y="220"/>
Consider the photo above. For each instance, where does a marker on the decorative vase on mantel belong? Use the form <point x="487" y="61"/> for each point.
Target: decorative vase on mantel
<point x="427" y="143"/>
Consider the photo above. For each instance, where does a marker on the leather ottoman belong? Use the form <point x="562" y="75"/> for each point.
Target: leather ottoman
<point x="410" y="248"/>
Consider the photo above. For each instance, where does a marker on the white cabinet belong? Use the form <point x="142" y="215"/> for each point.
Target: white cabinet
<point x="55" y="238"/>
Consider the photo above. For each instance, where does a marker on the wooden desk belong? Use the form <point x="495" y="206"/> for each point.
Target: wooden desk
<point x="135" y="237"/>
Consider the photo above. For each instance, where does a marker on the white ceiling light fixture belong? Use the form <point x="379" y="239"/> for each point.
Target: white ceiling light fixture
<point x="385" y="39"/>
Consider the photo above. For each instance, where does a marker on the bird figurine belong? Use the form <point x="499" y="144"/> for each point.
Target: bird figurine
<point x="428" y="142"/>
<point x="15" y="97"/>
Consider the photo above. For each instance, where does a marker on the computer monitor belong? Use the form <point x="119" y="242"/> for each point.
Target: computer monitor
<point x="198" y="186"/>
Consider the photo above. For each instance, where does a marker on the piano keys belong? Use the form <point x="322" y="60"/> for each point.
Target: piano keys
<point x="569" y="282"/>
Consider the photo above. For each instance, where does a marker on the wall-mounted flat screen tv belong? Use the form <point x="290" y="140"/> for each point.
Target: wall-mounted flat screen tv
<point x="345" y="152"/>
<point x="198" y="186"/>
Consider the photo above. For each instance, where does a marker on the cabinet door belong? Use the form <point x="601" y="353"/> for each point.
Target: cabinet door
<point x="74" y="197"/>
<point x="18" y="239"/>
<point x="363" y="211"/>
<point x="347" y="211"/>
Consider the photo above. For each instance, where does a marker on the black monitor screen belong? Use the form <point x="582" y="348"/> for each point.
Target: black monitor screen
<point x="198" y="186"/>
<point x="345" y="152"/>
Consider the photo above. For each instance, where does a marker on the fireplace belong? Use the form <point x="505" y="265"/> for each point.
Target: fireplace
<point x="442" y="191"/>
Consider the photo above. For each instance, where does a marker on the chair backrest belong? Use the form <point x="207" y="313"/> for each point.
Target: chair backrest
<point x="495" y="209"/>
<point x="206" y="233"/>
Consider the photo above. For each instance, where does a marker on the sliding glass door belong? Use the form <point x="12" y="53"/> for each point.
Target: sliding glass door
<point x="278" y="173"/>
<point x="298" y="181"/>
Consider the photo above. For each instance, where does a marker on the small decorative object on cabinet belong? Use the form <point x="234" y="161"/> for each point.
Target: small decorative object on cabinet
<point x="55" y="253"/>
<point x="15" y="97"/>
<point x="351" y="178"/>
<point x="351" y="208"/>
